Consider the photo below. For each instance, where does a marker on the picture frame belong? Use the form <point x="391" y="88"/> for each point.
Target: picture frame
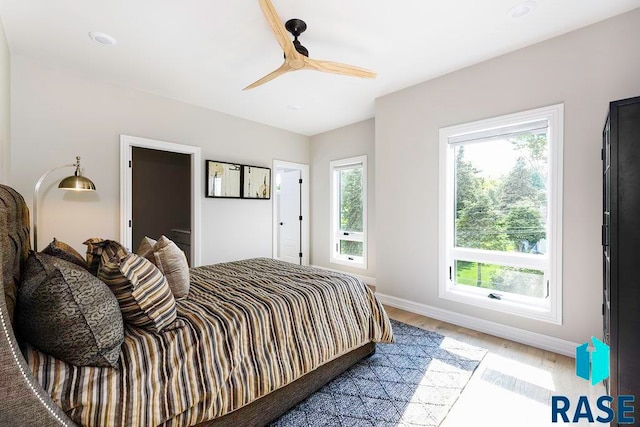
<point x="224" y="180"/>
<point x="256" y="182"/>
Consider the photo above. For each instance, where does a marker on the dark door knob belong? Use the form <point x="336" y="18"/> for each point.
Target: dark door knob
<point x="282" y="223"/>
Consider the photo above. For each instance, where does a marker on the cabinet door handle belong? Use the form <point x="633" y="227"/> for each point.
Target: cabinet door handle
<point x="605" y="240"/>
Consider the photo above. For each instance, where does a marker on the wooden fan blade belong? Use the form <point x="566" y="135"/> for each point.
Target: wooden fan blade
<point x="280" y="71"/>
<point x="338" y="68"/>
<point x="278" y="29"/>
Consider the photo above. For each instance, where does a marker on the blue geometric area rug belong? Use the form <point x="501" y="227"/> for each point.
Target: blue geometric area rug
<point x="412" y="382"/>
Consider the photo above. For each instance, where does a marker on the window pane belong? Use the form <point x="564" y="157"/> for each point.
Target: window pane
<point x="350" y="199"/>
<point x="521" y="281"/>
<point x="350" y="248"/>
<point x="501" y="194"/>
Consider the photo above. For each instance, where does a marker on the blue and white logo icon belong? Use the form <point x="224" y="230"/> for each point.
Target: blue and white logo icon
<point x="594" y="365"/>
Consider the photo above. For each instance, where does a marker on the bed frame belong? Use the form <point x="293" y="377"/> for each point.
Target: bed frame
<point x="24" y="402"/>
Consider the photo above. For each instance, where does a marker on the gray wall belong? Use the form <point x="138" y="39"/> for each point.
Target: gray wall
<point x="350" y="141"/>
<point x="58" y="114"/>
<point x="584" y="69"/>
<point x="5" y="108"/>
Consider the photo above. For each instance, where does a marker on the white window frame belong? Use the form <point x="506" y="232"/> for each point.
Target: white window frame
<point x="336" y="234"/>
<point x="548" y="309"/>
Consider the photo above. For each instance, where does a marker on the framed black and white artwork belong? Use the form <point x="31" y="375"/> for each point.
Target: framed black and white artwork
<point x="256" y="182"/>
<point x="223" y="180"/>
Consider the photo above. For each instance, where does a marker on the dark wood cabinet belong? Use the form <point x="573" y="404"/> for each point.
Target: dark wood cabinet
<point x="621" y="245"/>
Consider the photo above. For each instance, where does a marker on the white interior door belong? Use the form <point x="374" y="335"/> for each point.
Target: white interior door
<point x="289" y="216"/>
<point x="292" y="237"/>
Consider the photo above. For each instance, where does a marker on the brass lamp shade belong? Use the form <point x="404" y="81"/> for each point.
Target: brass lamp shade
<point x="77" y="183"/>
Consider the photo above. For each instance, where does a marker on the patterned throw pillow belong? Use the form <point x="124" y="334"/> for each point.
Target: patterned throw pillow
<point x="170" y="260"/>
<point x="142" y="291"/>
<point x="96" y="246"/>
<point x="63" y="251"/>
<point x="66" y="312"/>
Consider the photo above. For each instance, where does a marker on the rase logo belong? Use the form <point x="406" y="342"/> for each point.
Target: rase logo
<point x="593" y="366"/>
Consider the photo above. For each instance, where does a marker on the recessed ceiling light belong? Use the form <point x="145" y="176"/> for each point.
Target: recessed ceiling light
<point x="102" y="38"/>
<point x="294" y="107"/>
<point x="522" y="9"/>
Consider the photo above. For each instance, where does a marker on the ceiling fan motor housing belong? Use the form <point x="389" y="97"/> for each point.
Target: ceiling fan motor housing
<point x="301" y="49"/>
<point x="296" y="27"/>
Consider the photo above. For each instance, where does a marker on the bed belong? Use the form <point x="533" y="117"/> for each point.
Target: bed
<point x="253" y="338"/>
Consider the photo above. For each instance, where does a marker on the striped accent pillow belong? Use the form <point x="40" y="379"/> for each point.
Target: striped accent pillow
<point x="142" y="291"/>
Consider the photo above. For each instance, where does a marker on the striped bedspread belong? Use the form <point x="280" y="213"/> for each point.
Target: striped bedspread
<point x="247" y="328"/>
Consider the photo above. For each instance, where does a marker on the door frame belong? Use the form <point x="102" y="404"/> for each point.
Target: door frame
<point x="304" y="172"/>
<point x="127" y="143"/>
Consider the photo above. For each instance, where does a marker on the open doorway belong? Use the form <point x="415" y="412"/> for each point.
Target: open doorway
<point x="160" y="194"/>
<point x="161" y="197"/>
<point x="291" y="212"/>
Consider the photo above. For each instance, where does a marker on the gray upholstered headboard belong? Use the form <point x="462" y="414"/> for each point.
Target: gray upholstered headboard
<point x="22" y="400"/>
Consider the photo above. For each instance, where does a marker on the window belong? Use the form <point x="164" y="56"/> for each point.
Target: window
<point x="349" y="211"/>
<point x="501" y="213"/>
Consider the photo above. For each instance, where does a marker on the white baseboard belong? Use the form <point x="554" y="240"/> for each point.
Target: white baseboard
<point x="534" y="339"/>
<point x="366" y="279"/>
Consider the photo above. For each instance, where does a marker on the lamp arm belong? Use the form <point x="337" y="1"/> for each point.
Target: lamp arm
<point x="36" y="190"/>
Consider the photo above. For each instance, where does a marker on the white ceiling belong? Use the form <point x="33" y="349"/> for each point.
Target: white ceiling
<point x="205" y="51"/>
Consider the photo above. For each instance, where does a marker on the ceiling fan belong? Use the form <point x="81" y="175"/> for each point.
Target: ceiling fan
<point x="296" y="56"/>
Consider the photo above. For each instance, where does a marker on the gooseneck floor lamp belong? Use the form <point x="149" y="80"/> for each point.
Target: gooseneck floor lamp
<point x="75" y="182"/>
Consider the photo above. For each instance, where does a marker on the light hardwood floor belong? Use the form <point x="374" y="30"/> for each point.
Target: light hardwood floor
<point x="513" y="384"/>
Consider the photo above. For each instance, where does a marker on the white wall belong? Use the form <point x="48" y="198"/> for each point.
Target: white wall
<point x="349" y="141"/>
<point x="584" y="69"/>
<point x="58" y="114"/>
<point x="5" y="107"/>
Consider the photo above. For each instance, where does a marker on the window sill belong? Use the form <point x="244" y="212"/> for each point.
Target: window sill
<point x="356" y="263"/>
<point x="542" y="311"/>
